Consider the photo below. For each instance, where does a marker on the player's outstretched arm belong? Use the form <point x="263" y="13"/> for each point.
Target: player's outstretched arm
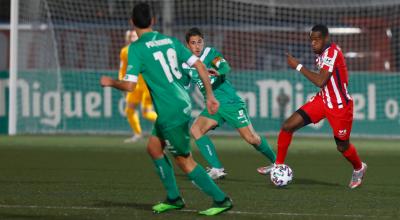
<point x="212" y="103"/>
<point x="319" y="79"/>
<point x="126" y="86"/>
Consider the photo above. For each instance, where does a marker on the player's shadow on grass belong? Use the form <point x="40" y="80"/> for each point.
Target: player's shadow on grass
<point x="302" y="181"/>
<point x="225" y="180"/>
<point x="135" y="205"/>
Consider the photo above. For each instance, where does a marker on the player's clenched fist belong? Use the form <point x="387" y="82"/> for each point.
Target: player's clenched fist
<point x="292" y="62"/>
<point x="212" y="105"/>
<point x="106" y="81"/>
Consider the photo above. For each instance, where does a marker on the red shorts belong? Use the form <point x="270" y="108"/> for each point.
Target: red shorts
<point x="341" y="120"/>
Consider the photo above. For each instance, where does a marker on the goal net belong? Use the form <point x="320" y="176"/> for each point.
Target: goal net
<point x="65" y="46"/>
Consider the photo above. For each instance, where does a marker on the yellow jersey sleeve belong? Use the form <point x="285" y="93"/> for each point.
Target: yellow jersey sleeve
<point x="123" y="56"/>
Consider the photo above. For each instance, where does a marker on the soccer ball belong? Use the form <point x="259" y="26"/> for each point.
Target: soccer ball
<point x="281" y="175"/>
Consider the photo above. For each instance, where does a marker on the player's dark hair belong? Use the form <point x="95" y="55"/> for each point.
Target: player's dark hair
<point x="142" y="14"/>
<point x="193" y="32"/>
<point x="323" y="29"/>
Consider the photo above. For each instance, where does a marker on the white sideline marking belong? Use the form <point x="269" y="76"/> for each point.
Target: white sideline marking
<point x="291" y="214"/>
<point x="232" y="212"/>
<point x="49" y="207"/>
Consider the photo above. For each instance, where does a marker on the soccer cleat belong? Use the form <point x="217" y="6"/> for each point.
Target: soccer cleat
<point x="265" y="170"/>
<point x="133" y="139"/>
<point x="218" y="207"/>
<point x="358" y="176"/>
<point x="169" y="204"/>
<point x="216" y="173"/>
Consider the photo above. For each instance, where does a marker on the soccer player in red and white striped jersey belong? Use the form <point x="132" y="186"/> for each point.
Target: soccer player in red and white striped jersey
<point x="332" y="102"/>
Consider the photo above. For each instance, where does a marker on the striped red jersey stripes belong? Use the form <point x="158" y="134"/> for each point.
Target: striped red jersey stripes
<point x="334" y="93"/>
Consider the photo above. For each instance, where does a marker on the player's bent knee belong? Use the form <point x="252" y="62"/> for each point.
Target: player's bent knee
<point x="129" y="111"/>
<point x="342" y="145"/>
<point x="185" y="162"/>
<point x="196" y="132"/>
<point x="155" y="152"/>
<point x="342" y="148"/>
<point x="146" y="111"/>
<point x="286" y="126"/>
<point x="131" y="106"/>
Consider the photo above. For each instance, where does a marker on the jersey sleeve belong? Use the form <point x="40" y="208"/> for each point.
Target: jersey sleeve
<point x="329" y="59"/>
<point x="123" y="61"/>
<point x="134" y="65"/>
<point x="219" y="62"/>
<point x="183" y="54"/>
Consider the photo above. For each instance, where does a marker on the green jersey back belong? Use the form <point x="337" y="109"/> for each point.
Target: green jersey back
<point x="224" y="92"/>
<point x="156" y="57"/>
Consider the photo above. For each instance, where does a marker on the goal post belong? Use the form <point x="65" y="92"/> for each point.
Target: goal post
<point x="13" y="108"/>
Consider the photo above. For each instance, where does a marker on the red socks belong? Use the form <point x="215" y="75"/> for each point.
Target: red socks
<point x="351" y="155"/>
<point x="284" y="140"/>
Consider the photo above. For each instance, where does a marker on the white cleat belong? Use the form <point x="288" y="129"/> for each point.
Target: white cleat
<point x="357" y="177"/>
<point x="133" y="139"/>
<point x="216" y="173"/>
<point x="265" y="170"/>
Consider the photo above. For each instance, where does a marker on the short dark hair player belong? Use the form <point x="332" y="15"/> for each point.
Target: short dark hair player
<point x="332" y="102"/>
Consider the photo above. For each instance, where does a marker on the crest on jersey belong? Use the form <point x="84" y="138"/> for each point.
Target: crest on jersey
<point x="328" y="61"/>
<point x="342" y="133"/>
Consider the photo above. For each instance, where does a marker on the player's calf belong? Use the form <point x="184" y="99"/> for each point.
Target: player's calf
<point x="249" y="135"/>
<point x="349" y="152"/>
<point x="252" y="139"/>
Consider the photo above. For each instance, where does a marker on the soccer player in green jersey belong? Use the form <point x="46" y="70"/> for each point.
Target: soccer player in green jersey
<point x="156" y="57"/>
<point x="232" y="108"/>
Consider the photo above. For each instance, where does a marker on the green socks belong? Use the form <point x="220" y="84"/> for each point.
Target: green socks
<point x="167" y="176"/>
<point x="200" y="178"/>
<point x="207" y="149"/>
<point x="266" y="150"/>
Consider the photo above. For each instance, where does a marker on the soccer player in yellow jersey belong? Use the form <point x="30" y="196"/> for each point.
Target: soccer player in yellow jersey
<point x="139" y="95"/>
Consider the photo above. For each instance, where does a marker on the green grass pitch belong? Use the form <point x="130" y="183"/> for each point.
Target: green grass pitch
<point x="99" y="177"/>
